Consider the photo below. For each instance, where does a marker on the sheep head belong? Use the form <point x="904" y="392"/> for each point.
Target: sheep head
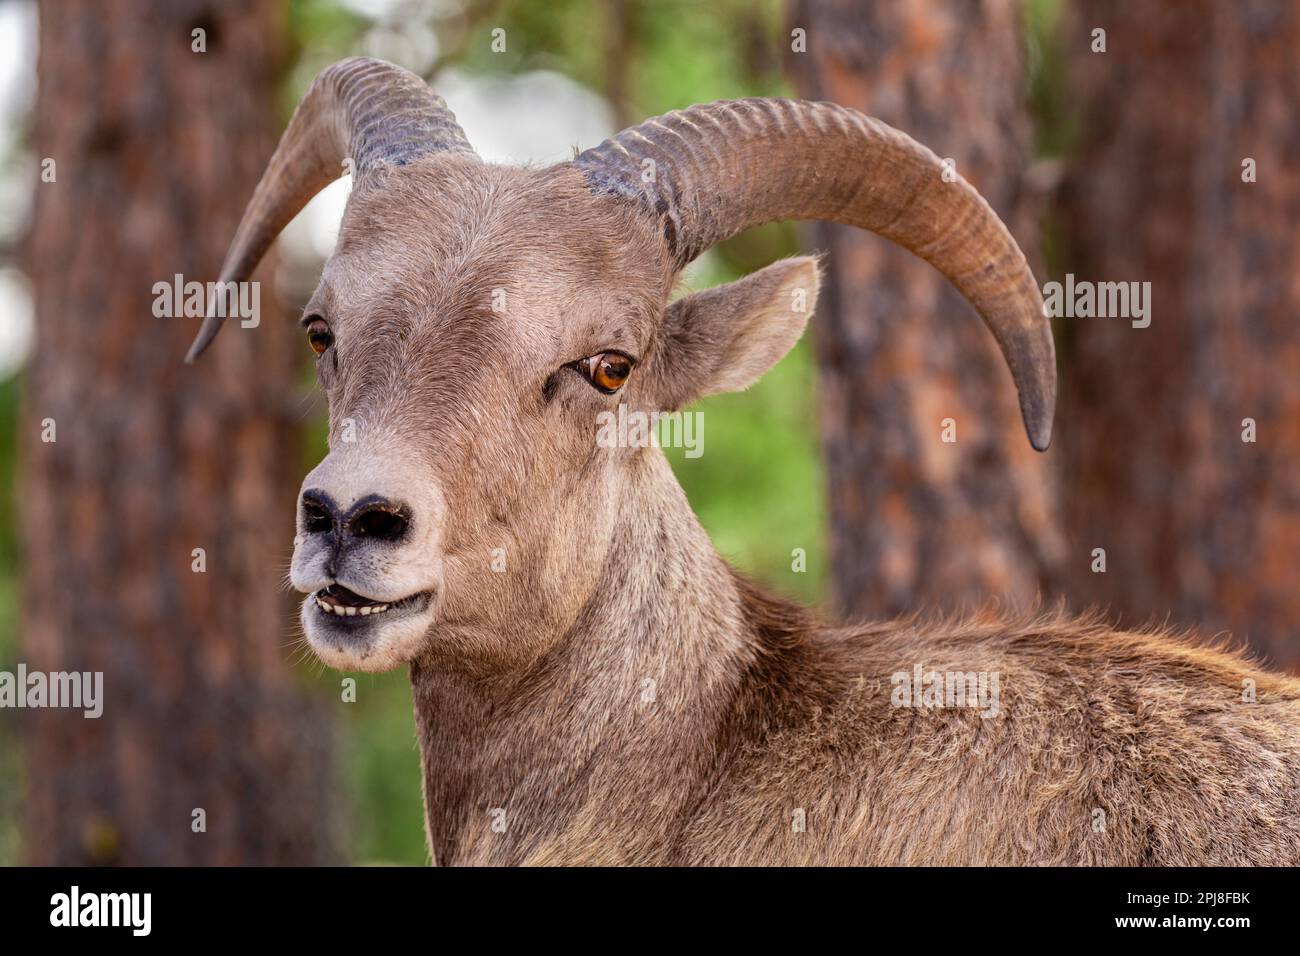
<point x="475" y="321"/>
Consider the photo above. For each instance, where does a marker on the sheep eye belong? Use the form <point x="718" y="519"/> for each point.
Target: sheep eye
<point x="319" y="336"/>
<point x="607" y="371"/>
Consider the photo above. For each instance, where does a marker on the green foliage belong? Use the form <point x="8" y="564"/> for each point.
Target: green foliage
<point x="757" y="487"/>
<point x="732" y="48"/>
<point x="381" y="771"/>
<point x="1053" y="106"/>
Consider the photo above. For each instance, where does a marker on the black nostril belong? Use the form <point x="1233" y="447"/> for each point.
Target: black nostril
<point x="381" y="520"/>
<point x="317" y="516"/>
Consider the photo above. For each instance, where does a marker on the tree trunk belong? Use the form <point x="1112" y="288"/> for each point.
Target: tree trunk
<point x="156" y="149"/>
<point x="916" y="520"/>
<point x="1195" y="522"/>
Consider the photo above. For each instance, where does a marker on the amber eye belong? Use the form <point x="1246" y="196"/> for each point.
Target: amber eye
<point x="319" y="336"/>
<point x="607" y="371"/>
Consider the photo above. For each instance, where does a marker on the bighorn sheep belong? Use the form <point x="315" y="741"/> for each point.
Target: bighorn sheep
<point x="471" y="325"/>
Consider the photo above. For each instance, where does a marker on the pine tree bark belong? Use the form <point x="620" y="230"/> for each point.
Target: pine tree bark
<point x="1186" y="103"/>
<point x="915" y="520"/>
<point x="156" y="148"/>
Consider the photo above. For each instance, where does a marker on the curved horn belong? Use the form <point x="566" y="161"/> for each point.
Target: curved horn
<point x="721" y="168"/>
<point x="360" y="108"/>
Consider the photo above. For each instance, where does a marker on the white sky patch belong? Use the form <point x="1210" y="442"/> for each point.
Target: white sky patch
<point x="412" y="45"/>
<point x="17" y="90"/>
<point x="538" y="116"/>
<point x="17" y="171"/>
<point x="405" y="10"/>
<point x="17" y="65"/>
<point x="310" y="236"/>
<point x="17" y="324"/>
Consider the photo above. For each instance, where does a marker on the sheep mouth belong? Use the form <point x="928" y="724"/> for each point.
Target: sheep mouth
<point x="338" y="601"/>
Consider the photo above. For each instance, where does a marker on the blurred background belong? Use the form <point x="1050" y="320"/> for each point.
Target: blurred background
<point x="1121" y="142"/>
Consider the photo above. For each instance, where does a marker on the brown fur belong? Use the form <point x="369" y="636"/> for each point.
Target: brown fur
<point x="618" y="694"/>
<point x="1148" y="728"/>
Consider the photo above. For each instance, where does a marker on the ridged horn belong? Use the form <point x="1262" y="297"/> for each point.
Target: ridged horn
<point x="724" y="167"/>
<point x="371" y="111"/>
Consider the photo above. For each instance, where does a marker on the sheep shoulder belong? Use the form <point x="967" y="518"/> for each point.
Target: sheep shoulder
<point x="1099" y="746"/>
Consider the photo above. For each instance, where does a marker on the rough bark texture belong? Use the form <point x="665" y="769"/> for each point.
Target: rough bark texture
<point x="1196" y="523"/>
<point x="916" y="520"/>
<point x="157" y="149"/>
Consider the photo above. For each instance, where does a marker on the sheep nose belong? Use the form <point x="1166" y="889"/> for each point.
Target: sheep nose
<point x="374" y="517"/>
<point x="378" y="518"/>
<point x="319" y="515"/>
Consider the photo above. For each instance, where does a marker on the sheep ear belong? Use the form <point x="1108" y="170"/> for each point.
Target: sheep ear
<point x="723" y="339"/>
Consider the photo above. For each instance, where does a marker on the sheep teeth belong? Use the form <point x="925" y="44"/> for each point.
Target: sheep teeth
<point x="343" y="611"/>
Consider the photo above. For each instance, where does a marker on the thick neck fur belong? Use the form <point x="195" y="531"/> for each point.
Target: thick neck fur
<point x="638" y="698"/>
